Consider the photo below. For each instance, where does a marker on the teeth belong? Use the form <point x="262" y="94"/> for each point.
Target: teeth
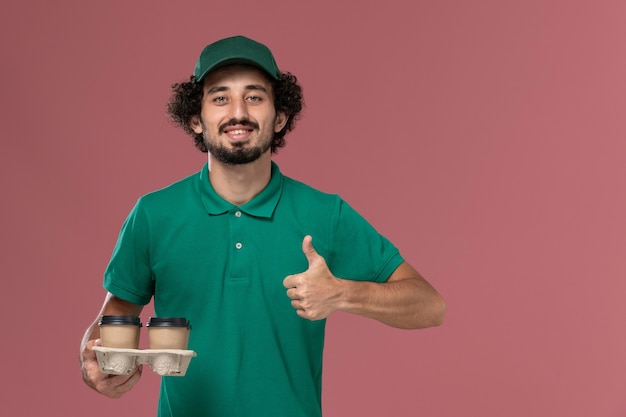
<point x="238" y="132"/>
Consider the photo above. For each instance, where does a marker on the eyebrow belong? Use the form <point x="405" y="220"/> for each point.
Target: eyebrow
<point x="250" y="87"/>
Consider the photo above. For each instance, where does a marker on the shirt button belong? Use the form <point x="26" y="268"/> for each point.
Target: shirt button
<point x="238" y="245"/>
<point x="237" y="214"/>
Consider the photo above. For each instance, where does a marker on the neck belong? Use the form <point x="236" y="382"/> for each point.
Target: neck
<point x="239" y="184"/>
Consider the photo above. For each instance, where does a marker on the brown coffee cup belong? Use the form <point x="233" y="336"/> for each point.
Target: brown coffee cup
<point x="120" y="331"/>
<point x="168" y="332"/>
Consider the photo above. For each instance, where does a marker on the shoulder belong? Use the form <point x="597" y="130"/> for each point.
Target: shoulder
<point x="298" y="189"/>
<point x="306" y="199"/>
<point x="176" y="193"/>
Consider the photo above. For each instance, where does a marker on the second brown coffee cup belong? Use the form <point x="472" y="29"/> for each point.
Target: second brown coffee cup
<point x="168" y="332"/>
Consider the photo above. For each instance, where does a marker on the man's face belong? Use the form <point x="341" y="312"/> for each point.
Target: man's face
<point x="238" y="119"/>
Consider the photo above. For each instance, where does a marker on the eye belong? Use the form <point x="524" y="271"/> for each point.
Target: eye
<point x="254" y="98"/>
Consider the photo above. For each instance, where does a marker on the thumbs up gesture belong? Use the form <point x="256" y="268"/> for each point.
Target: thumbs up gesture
<point x="316" y="292"/>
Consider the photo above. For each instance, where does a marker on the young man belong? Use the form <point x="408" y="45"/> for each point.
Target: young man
<point x="255" y="260"/>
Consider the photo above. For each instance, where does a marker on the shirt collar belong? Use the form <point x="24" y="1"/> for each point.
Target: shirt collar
<point x="262" y="205"/>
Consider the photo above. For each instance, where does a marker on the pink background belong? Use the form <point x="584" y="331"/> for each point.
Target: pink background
<point x="486" y="139"/>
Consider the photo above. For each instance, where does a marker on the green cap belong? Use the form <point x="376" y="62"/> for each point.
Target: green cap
<point x="235" y="50"/>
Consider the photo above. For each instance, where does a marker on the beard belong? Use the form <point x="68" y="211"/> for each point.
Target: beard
<point x="238" y="154"/>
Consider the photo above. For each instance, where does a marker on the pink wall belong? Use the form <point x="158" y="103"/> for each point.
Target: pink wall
<point x="486" y="139"/>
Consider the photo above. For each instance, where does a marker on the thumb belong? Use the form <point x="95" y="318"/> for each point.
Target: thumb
<point x="88" y="354"/>
<point x="309" y="251"/>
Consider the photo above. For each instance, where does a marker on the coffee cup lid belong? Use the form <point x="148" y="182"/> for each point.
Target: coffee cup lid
<point x="124" y="320"/>
<point x="168" y="322"/>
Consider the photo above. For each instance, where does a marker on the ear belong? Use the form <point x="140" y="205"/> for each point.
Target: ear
<point x="281" y="121"/>
<point x="196" y="124"/>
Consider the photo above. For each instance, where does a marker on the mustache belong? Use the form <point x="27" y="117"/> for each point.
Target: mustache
<point x="235" y="122"/>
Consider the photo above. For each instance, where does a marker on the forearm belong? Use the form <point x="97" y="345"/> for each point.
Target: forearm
<point x="406" y="300"/>
<point x="408" y="303"/>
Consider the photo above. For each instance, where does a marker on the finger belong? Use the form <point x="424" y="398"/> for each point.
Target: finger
<point x="88" y="354"/>
<point x="91" y="369"/>
<point x="288" y="282"/>
<point x="302" y="314"/>
<point x="293" y="294"/>
<point x="309" y="251"/>
<point x="305" y="315"/>
<point x="292" y="281"/>
<point x="114" y="386"/>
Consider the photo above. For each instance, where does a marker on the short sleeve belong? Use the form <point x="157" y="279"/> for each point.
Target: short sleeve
<point x="129" y="273"/>
<point x="358" y="251"/>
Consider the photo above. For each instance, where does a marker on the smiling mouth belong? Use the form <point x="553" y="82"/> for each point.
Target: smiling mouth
<point x="238" y="131"/>
<point x="238" y="127"/>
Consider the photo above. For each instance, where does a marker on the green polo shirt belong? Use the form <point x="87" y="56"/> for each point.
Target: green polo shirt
<point x="222" y="266"/>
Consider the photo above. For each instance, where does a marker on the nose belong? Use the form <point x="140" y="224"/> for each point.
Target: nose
<point x="239" y="109"/>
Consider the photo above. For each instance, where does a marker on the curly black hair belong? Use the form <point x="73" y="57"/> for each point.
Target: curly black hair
<point x="186" y="102"/>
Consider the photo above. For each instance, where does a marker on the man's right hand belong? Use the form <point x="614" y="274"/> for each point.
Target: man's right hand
<point x="113" y="386"/>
